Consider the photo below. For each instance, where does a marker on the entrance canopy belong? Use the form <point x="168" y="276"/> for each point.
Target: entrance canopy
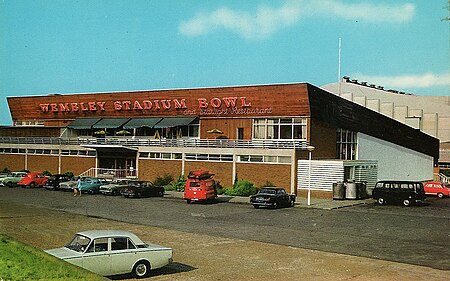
<point x="110" y="123"/>
<point x="141" y="122"/>
<point x="174" y="122"/>
<point x="83" y="123"/>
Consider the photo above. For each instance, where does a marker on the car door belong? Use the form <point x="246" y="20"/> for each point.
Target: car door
<point x="123" y="255"/>
<point x="97" y="257"/>
<point x="283" y="198"/>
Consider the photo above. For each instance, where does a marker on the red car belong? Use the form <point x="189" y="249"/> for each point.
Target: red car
<point x="437" y="188"/>
<point x="33" y="179"/>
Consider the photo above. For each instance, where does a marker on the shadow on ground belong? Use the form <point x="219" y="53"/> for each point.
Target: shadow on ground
<point x="172" y="268"/>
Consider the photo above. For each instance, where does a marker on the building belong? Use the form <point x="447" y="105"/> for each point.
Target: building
<point x="258" y="133"/>
<point x="429" y="114"/>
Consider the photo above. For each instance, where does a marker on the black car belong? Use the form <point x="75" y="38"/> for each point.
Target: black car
<point x="54" y="181"/>
<point x="141" y="189"/>
<point x="272" y="197"/>
<point x="405" y="192"/>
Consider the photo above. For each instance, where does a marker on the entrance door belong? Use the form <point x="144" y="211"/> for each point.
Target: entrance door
<point x="240" y="133"/>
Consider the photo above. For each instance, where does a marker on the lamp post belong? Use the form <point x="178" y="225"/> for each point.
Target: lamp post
<point x="310" y="149"/>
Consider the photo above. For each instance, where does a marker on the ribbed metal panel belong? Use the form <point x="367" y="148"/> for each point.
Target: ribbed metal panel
<point x="323" y="174"/>
<point x="366" y="171"/>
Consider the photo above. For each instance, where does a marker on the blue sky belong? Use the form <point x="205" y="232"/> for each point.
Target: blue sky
<point x="56" y="46"/>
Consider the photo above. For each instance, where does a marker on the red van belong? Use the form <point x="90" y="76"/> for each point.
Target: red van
<point x="200" y="187"/>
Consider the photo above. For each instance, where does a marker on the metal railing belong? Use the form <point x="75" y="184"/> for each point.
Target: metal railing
<point x="206" y="143"/>
<point x="110" y="173"/>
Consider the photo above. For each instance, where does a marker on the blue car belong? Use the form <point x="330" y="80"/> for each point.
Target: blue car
<point x="92" y="185"/>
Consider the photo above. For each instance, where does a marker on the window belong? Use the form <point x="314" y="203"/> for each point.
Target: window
<point x="346" y="144"/>
<point x="264" y="159"/>
<point x="280" y="128"/>
<point x="121" y="243"/>
<point x="99" y="245"/>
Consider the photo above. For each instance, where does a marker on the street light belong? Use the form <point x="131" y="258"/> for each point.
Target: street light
<point x="310" y="149"/>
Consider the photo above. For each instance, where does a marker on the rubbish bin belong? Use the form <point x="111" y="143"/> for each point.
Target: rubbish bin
<point x="351" y="192"/>
<point x="361" y="190"/>
<point x="338" y="191"/>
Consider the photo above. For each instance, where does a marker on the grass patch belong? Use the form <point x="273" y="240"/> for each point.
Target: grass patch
<point x="19" y="261"/>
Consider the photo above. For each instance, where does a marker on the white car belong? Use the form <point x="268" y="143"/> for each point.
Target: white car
<point x="110" y="252"/>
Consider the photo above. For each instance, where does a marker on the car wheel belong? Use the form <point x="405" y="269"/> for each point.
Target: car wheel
<point x="188" y="201"/>
<point x="275" y="205"/>
<point x="406" y="202"/>
<point x="292" y="203"/>
<point x="256" y="206"/>
<point x="141" y="269"/>
<point x="32" y="185"/>
<point x="160" y="193"/>
<point x="381" y="201"/>
<point x="115" y="192"/>
<point x="440" y="195"/>
<point x="9" y="184"/>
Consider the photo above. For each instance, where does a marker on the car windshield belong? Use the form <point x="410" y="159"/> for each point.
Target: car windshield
<point x="267" y="191"/>
<point x="79" y="243"/>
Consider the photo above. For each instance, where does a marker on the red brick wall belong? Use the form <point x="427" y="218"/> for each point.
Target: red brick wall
<point x="150" y="169"/>
<point x="14" y="162"/>
<point x="259" y="174"/>
<point x="76" y="164"/>
<point x="223" y="172"/>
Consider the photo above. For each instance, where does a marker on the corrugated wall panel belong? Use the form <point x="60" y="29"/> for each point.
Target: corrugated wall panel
<point x="323" y="174"/>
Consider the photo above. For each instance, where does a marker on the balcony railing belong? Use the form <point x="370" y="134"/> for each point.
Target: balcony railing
<point x="134" y="142"/>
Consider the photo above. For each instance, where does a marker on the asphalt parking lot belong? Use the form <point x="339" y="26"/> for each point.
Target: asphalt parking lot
<point x="202" y="255"/>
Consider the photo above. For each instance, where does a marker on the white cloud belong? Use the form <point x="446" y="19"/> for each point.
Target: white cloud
<point x="366" y="11"/>
<point x="426" y="80"/>
<point x="267" y="20"/>
<point x="262" y="23"/>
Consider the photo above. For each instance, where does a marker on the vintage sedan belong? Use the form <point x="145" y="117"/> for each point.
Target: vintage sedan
<point x="114" y="187"/>
<point x="12" y="179"/>
<point x="33" y="179"/>
<point x="92" y="185"/>
<point x="55" y="180"/>
<point x="141" y="189"/>
<point x="272" y="197"/>
<point x="68" y="185"/>
<point x="112" y="252"/>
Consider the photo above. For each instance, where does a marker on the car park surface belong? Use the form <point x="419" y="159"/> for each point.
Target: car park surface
<point x="245" y="259"/>
<point x="368" y="230"/>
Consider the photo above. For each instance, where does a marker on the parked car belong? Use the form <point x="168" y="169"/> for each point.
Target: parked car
<point x="437" y="188"/>
<point x="68" y="185"/>
<point x="142" y="189"/>
<point x="114" y="187"/>
<point x="406" y="192"/>
<point x="272" y="197"/>
<point x="199" y="186"/>
<point x="92" y="185"/>
<point x="33" y="179"/>
<point x="54" y="181"/>
<point x="12" y="179"/>
<point x="109" y="252"/>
